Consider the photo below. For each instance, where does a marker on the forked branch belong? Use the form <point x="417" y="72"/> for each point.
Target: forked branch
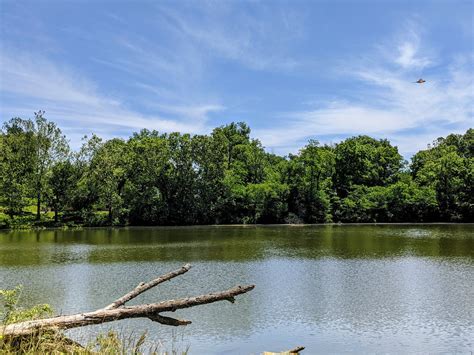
<point x="142" y="287"/>
<point x="116" y="311"/>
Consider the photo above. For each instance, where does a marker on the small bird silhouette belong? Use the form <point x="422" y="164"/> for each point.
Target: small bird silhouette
<point x="420" y="81"/>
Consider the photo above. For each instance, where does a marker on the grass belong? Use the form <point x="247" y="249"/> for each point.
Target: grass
<point x="27" y="219"/>
<point x="55" y="342"/>
<point x="110" y="342"/>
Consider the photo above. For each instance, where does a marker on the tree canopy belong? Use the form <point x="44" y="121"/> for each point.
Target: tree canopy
<point x="226" y="177"/>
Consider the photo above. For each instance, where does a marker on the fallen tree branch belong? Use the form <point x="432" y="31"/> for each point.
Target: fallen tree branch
<point x="142" y="287"/>
<point x="114" y="311"/>
<point x="296" y="350"/>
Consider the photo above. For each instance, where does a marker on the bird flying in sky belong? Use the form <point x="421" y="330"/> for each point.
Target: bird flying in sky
<point x="420" y="81"/>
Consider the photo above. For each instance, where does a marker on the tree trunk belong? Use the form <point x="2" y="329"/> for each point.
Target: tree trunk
<point x="110" y="213"/>
<point x="115" y="311"/>
<point x="38" y="206"/>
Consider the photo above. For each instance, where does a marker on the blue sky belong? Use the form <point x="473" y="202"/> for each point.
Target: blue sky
<point x="293" y="70"/>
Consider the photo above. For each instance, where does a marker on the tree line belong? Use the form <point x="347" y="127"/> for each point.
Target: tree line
<point x="227" y="177"/>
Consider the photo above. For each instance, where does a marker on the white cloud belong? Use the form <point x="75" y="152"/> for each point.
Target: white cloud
<point x="339" y="119"/>
<point x="388" y="103"/>
<point x="35" y="77"/>
<point x="261" y="41"/>
<point x="410" y="55"/>
<point x="76" y="103"/>
<point x="167" y="81"/>
<point x="199" y="113"/>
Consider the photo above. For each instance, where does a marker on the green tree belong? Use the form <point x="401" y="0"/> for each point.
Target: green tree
<point x="45" y="143"/>
<point x="50" y="146"/>
<point x="108" y="175"/>
<point x="180" y="190"/>
<point x="447" y="166"/>
<point x="84" y="194"/>
<point x="232" y="136"/>
<point x="309" y="175"/>
<point x="210" y="165"/>
<point x="408" y="202"/>
<point x="146" y="178"/>
<point x="365" y="161"/>
<point x="17" y="162"/>
<point x="228" y="177"/>
<point x="62" y="181"/>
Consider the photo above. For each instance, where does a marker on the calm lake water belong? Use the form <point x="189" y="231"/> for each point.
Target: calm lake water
<point x="332" y="289"/>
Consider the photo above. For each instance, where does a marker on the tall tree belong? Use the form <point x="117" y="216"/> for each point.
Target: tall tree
<point x="365" y="161"/>
<point x="17" y="162"/>
<point x="50" y="147"/>
<point x="147" y="168"/>
<point x="448" y="167"/>
<point x="309" y="176"/>
<point x="62" y="181"/>
<point x="228" y="177"/>
<point x="231" y="136"/>
<point x="108" y="175"/>
<point x="210" y="166"/>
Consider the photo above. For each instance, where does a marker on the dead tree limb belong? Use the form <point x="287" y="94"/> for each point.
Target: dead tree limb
<point x="115" y="311"/>
<point x="142" y="287"/>
<point x="296" y="350"/>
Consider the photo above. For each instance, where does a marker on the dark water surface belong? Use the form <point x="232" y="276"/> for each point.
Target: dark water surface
<point x="366" y="288"/>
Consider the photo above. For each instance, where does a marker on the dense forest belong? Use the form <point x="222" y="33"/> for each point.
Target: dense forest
<point x="225" y="177"/>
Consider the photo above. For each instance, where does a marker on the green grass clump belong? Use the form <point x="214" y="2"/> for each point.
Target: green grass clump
<point x="27" y="219"/>
<point x="55" y="342"/>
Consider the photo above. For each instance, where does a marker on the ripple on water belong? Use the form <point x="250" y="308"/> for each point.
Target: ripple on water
<point x="334" y="289"/>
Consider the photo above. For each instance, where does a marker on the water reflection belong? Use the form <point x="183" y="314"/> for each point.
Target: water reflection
<point x="331" y="288"/>
<point x="233" y="244"/>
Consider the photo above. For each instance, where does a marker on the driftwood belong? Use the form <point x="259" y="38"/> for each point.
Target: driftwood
<point x="296" y="350"/>
<point x="117" y="311"/>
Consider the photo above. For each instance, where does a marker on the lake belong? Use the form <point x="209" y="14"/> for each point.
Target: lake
<point x="330" y="288"/>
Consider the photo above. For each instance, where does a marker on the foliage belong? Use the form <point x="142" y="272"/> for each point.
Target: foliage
<point x="16" y="165"/>
<point x="448" y="168"/>
<point x="29" y="149"/>
<point x="309" y="176"/>
<point x="225" y="177"/>
<point x="365" y="161"/>
<point x="10" y="312"/>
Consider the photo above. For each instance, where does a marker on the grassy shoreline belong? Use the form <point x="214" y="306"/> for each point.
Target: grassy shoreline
<point x="64" y="226"/>
<point x="27" y="222"/>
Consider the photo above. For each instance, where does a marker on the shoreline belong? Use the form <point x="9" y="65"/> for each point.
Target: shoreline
<point x="197" y="226"/>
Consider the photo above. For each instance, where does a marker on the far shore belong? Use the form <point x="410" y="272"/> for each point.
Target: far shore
<point x="199" y="226"/>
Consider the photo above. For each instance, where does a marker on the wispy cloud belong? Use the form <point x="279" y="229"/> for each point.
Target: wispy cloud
<point x="294" y="72"/>
<point x="73" y="101"/>
<point x="388" y="103"/>
<point x="410" y="54"/>
<point x="261" y="40"/>
<point x="37" y="78"/>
